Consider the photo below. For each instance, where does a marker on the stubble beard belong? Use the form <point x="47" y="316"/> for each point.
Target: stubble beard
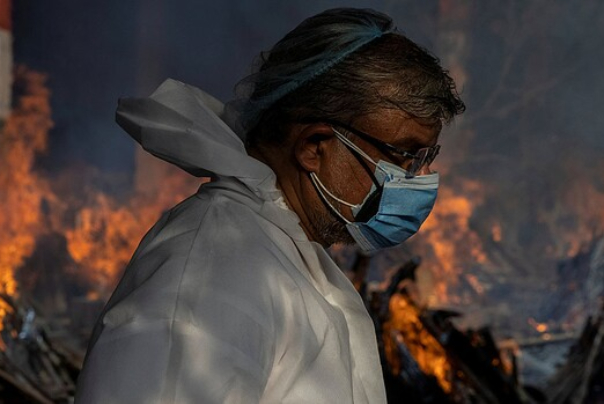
<point x="330" y="229"/>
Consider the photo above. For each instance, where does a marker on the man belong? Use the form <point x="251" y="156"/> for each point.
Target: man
<point x="231" y="297"/>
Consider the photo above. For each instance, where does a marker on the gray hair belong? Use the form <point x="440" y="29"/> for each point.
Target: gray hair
<point x="338" y="65"/>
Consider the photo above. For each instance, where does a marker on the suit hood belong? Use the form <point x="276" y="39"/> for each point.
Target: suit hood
<point x="185" y="126"/>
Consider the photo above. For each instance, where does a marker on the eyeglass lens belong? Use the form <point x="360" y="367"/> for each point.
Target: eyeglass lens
<point x="424" y="156"/>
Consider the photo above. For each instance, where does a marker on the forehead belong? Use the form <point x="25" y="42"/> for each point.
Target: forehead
<point x="399" y="128"/>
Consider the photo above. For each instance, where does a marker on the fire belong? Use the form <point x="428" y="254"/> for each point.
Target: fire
<point x="496" y="232"/>
<point x="106" y="233"/>
<point x="577" y="217"/>
<point x="425" y="349"/>
<point x="448" y="244"/>
<point x="22" y="138"/>
<point x="540" y="327"/>
<point x="103" y="239"/>
<point x="101" y="233"/>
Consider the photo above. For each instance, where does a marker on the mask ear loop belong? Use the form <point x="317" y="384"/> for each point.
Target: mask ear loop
<point x="358" y="153"/>
<point x="320" y="184"/>
<point x="371" y="204"/>
<point x="320" y="188"/>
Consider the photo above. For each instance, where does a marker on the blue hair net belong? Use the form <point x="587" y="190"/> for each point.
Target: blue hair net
<point x="309" y="50"/>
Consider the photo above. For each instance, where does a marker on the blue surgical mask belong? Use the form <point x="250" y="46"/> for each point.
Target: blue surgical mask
<point x="393" y="210"/>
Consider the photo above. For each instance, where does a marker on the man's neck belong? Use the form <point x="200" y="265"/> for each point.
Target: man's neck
<point x="288" y="182"/>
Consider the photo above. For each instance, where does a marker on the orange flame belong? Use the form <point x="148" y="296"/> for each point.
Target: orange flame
<point x="107" y="233"/>
<point x="496" y="232"/>
<point x="447" y="242"/>
<point x="427" y="352"/>
<point x="22" y="138"/>
<point x="540" y="327"/>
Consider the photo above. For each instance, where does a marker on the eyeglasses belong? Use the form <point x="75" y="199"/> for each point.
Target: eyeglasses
<point x="423" y="157"/>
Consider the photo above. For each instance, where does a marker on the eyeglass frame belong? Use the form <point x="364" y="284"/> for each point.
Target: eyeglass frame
<point x="387" y="148"/>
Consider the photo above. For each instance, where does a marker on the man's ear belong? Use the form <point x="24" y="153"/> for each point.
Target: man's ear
<point x="311" y="145"/>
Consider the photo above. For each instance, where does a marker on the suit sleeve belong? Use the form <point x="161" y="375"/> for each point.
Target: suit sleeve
<point x="177" y="362"/>
<point x="193" y="321"/>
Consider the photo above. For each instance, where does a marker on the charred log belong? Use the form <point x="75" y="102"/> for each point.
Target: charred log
<point x="33" y="367"/>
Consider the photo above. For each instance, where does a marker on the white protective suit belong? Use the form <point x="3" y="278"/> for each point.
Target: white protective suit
<point x="226" y="300"/>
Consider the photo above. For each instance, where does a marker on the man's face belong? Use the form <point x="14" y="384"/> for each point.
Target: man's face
<point x="345" y="176"/>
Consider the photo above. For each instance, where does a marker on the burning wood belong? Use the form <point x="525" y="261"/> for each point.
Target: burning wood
<point x="33" y="368"/>
<point x="426" y="358"/>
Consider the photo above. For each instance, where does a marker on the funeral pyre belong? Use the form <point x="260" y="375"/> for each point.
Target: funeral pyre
<point x="66" y="237"/>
